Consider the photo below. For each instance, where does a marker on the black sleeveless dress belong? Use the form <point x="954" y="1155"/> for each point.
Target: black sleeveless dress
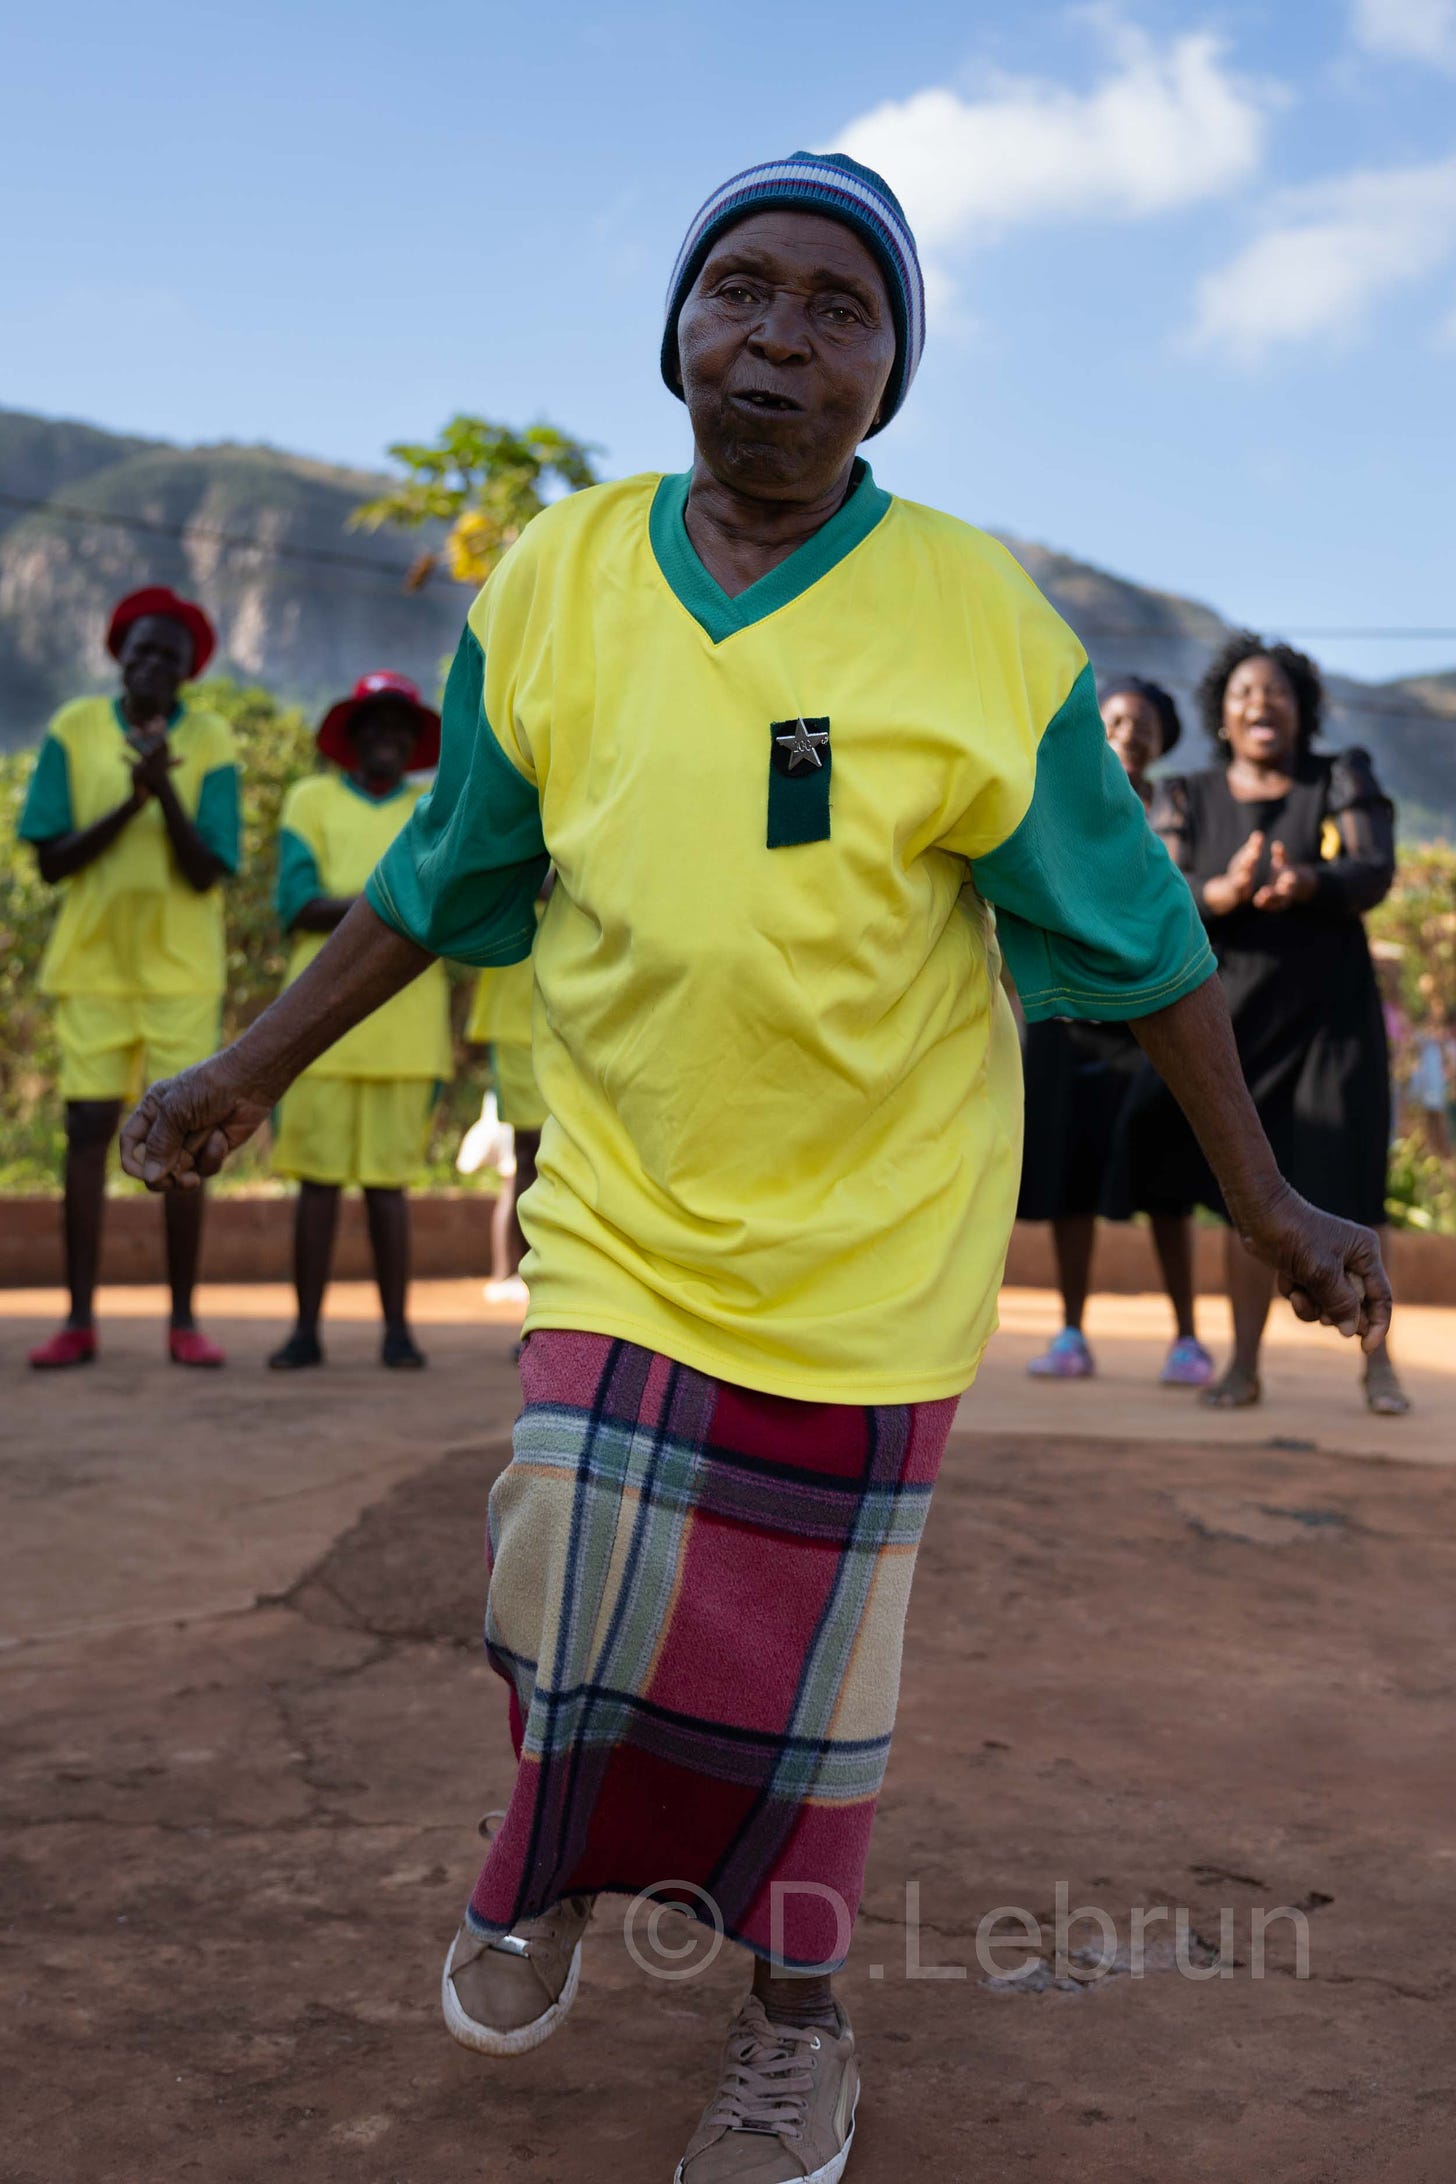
<point x="1301" y="990"/>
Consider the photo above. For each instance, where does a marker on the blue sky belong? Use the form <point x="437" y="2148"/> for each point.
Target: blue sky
<point x="1193" y="266"/>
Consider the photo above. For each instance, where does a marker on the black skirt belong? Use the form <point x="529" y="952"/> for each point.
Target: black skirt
<point x="1079" y="1081"/>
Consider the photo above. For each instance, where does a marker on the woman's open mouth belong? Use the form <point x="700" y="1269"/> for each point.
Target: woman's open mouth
<point x="763" y="401"/>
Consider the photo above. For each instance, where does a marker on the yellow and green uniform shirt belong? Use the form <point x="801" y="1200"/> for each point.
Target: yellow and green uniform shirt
<point x="783" y="1082"/>
<point x="331" y="836"/>
<point x="500" y="1019"/>
<point x="500" y="1007"/>
<point x="130" y="927"/>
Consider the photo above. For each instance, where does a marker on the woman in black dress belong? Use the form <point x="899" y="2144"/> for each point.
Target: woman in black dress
<point x="1284" y="848"/>
<point x="1078" y="1081"/>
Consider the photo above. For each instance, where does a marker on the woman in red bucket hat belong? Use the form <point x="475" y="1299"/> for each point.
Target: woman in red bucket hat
<point x="362" y="1113"/>
<point x="133" y="810"/>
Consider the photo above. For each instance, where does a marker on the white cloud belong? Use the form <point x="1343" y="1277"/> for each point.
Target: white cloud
<point x="1331" y="251"/>
<point x="1418" y="30"/>
<point x="1168" y="125"/>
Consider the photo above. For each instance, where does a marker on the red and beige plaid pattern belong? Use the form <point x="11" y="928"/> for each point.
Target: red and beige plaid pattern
<point x="698" y="1597"/>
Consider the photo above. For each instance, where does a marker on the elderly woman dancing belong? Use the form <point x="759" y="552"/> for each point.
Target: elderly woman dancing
<point x="786" y="740"/>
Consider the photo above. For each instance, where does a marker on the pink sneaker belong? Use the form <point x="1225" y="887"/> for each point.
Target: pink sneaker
<point x="1066" y="1357"/>
<point x="1187" y="1365"/>
<point x="67" y="1346"/>
<point x="190" y="1346"/>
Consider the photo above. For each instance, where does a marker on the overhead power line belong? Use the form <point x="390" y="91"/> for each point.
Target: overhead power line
<point x="232" y="541"/>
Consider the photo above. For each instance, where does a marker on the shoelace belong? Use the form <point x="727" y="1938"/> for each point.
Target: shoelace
<point x="767" y="2079"/>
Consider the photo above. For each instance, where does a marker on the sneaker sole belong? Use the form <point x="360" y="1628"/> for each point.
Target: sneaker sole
<point x="485" y="2039"/>
<point x="832" y="2170"/>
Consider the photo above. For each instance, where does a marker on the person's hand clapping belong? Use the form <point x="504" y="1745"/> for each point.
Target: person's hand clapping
<point x="154" y="760"/>
<point x="184" y="1127"/>
<point x="1287" y="883"/>
<point x="1330" y="1270"/>
<point x="1231" y="889"/>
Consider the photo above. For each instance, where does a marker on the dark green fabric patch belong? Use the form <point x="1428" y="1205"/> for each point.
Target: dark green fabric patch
<point x="800" y="763"/>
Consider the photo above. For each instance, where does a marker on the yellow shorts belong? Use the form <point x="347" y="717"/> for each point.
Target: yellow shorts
<point x="113" y="1049"/>
<point x="517" y="1098"/>
<point x="355" y="1130"/>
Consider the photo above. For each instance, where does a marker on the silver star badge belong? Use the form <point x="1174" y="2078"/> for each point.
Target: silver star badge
<point x="802" y="744"/>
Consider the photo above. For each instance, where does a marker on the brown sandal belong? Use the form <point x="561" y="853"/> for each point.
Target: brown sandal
<point x="1383" y="1392"/>
<point x="1239" y="1389"/>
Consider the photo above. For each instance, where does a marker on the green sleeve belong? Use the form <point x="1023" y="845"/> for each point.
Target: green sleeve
<point x="461" y="878"/>
<point x="1095" y="920"/>
<point x="219" y="820"/>
<point x="298" y="881"/>
<point x="46" y="813"/>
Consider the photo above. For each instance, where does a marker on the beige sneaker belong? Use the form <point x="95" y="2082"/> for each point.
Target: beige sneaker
<point x="503" y="1994"/>
<point x="784" y="2109"/>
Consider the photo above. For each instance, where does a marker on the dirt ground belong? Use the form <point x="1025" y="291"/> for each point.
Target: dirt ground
<point x="247" y="1733"/>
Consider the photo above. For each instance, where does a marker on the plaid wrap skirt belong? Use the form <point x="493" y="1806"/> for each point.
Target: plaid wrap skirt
<point x="697" y="1598"/>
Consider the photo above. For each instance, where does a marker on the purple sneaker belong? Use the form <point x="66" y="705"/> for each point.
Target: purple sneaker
<point x="1187" y="1365"/>
<point x="1066" y="1357"/>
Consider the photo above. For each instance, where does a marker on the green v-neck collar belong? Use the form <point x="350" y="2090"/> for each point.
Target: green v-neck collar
<point x="702" y="594"/>
<point x="367" y="796"/>
<point x="124" y="724"/>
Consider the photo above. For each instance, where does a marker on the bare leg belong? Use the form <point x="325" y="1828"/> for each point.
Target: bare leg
<point x="1073" y="1236"/>
<point x="183" y="1211"/>
<point x="1250" y="1291"/>
<point x="1173" y="1242"/>
<point x="90" y="1127"/>
<point x="528" y="1143"/>
<point x="389" y="1239"/>
<point x="791" y="1998"/>
<point x="1383" y="1390"/>
<point x="501" y="1232"/>
<point x="314" y="1223"/>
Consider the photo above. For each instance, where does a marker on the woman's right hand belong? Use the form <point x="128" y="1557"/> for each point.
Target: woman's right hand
<point x="185" y="1127"/>
<point x="1231" y="889"/>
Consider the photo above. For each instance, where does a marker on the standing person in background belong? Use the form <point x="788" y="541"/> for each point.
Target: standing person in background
<point x="361" y="1114"/>
<point x="1284" y="848"/>
<point x="500" y="1021"/>
<point x="1429" y="1089"/>
<point x="133" y="811"/>
<point x="1079" y="1077"/>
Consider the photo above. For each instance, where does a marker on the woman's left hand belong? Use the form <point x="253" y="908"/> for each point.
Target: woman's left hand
<point x="1330" y="1270"/>
<point x="1287" y="883"/>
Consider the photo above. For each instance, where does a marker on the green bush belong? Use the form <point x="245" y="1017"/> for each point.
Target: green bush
<point x="276" y="748"/>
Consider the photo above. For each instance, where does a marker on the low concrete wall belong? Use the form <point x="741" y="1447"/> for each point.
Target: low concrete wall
<point x="246" y="1239"/>
<point x="250" y="1240"/>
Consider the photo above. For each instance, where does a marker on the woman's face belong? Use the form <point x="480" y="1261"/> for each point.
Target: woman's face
<point x="1261" y="713"/>
<point x="383" y="737"/>
<point x="155" y="660"/>
<point x="785" y="346"/>
<point x="1134" y="731"/>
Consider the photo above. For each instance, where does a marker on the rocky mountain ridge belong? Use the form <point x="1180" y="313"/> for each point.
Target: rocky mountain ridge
<point x="303" y="604"/>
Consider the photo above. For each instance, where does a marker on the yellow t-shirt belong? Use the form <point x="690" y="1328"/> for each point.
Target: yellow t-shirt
<point x="331" y="836"/>
<point x="130" y="925"/>
<point x="783" y="1083"/>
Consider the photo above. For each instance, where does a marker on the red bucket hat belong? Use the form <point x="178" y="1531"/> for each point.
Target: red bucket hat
<point x="333" y="735"/>
<point x="161" y="599"/>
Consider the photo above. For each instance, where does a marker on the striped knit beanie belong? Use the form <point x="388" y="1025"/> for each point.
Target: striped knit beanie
<point x="840" y="188"/>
